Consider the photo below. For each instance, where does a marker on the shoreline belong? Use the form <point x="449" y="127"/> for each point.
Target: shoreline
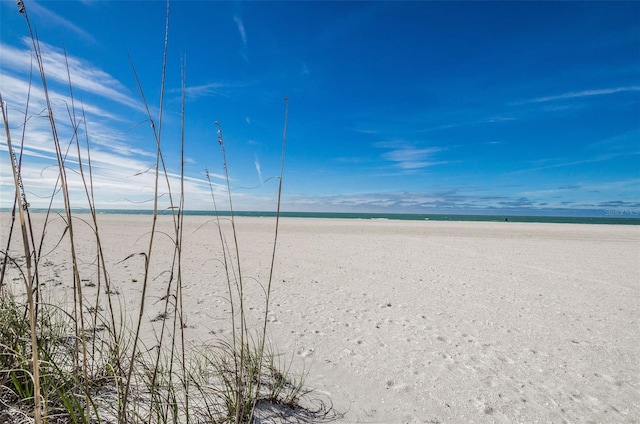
<point x="610" y="216"/>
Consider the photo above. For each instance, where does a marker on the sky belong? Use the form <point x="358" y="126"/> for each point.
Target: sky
<point x="394" y="107"/>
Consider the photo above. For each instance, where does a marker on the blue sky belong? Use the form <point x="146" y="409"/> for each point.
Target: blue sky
<point x="428" y="107"/>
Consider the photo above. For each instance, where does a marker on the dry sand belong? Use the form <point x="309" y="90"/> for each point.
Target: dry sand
<point x="412" y="322"/>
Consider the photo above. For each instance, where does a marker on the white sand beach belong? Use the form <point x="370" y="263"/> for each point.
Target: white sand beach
<point x="407" y="321"/>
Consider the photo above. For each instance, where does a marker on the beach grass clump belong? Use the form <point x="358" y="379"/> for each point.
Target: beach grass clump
<point x="61" y="386"/>
<point x="84" y="360"/>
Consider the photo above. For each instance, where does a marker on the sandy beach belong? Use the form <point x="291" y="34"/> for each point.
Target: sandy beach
<point x="407" y="321"/>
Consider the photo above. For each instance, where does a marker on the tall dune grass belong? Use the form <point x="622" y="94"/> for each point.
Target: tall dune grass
<point x="87" y="363"/>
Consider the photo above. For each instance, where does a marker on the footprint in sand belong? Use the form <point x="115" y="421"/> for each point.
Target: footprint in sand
<point x="400" y="388"/>
<point x="303" y="353"/>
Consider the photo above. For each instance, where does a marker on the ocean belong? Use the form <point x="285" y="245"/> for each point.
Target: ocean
<point x="619" y="219"/>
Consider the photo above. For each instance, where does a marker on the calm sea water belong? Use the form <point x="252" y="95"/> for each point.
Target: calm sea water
<point x="618" y="220"/>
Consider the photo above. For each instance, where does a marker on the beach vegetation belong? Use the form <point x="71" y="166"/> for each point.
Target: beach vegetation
<point x="87" y="359"/>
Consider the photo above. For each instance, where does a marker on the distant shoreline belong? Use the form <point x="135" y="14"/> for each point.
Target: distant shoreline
<point x="631" y="217"/>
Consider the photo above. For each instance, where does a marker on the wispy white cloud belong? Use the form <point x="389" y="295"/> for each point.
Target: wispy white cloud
<point x="241" y="30"/>
<point x="585" y="93"/>
<point x="123" y="176"/>
<point x="408" y="157"/>
<point x="470" y="200"/>
<point x="548" y="191"/>
<point x="121" y="160"/>
<point x="118" y="181"/>
<point x="47" y="15"/>
<point x="367" y="131"/>
<point x="542" y="164"/>
<point x="631" y="184"/>
<point x="14" y="90"/>
<point x="243" y="35"/>
<point x="496" y="119"/>
<point x="205" y="90"/>
<point x="223" y="89"/>
<point x="585" y="194"/>
<point x="403" y="201"/>
<point x="621" y="142"/>
<point x="352" y="160"/>
<point x="455" y="122"/>
<point x="258" y="168"/>
<point x="84" y="76"/>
